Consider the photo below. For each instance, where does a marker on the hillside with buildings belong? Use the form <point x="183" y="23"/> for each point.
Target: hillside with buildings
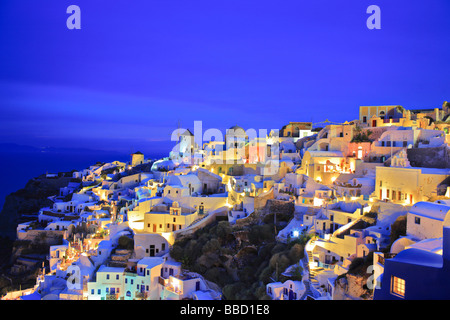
<point x="345" y="211"/>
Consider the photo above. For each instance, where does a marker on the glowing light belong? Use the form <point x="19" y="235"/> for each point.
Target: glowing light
<point x="295" y="233"/>
<point x="318" y="202"/>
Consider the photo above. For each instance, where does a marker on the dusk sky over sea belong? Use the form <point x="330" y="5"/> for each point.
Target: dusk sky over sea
<point x="137" y="68"/>
<point x="127" y="175"/>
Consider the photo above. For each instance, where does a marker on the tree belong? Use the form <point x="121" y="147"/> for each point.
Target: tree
<point x="398" y="229"/>
<point x="296" y="253"/>
<point x="361" y="136"/>
<point x="296" y="273"/>
<point x="126" y="243"/>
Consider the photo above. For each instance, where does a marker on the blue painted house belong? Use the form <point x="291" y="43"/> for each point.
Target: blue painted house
<point x="415" y="274"/>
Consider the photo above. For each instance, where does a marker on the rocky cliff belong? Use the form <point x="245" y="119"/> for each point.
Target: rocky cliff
<point x="24" y="204"/>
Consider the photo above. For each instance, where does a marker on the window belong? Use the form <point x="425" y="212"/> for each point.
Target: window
<point x="92" y="291"/>
<point x="131" y="281"/>
<point x="99" y="291"/>
<point x="117" y="277"/>
<point x="398" y="286"/>
<point x="417" y="220"/>
<point x="126" y="280"/>
<point x="107" y="277"/>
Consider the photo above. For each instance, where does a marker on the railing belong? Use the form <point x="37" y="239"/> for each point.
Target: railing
<point x="326" y="265"/>
<point x="141" y="295"/>
<point x="174" y="290"/>
<point x="163" y="281"/>
<point x="111" y="297"/>
<point x="382" y="258"/>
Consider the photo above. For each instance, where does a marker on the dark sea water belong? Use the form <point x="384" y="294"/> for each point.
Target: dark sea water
<point x="18" y="164"/>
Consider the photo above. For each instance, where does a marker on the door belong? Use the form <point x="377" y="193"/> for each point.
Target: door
<point x="291" y="295"/>
<point x="152" y="250"/>
<point x="197" y="286"/>
<point x="154" y="227"/>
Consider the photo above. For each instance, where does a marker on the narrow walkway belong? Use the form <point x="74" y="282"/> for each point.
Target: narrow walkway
<point x="311" y="281"/>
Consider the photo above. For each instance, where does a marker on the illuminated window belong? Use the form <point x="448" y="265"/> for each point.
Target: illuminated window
<point x="398" y="286"/>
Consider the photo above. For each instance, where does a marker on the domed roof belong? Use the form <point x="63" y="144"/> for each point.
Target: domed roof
<point x="236" y="131"/>
<point x="236" y="127"/>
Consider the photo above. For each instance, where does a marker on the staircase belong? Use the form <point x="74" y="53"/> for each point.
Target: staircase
<point x="311" y="284"/>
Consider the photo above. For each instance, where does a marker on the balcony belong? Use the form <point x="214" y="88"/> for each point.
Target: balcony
<point x="382" y="259"/>
<point x="163" y="281"/>
<point x="112" y="297"/>
<point x="174" y="290"/>
<point x="141" y="295"/>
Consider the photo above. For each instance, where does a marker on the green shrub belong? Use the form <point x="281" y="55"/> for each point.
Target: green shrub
<point x="126" y="243"/>
<point x="296" y="253"/>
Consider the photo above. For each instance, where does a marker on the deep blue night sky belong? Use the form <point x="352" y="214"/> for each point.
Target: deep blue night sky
<point x="137" y="67"/>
